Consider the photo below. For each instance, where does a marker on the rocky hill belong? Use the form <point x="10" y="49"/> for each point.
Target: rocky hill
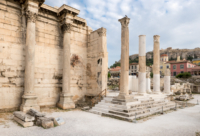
<point x="173" y="53"/>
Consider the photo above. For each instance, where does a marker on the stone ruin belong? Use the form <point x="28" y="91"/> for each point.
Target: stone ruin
<point x="144" y="102"/>
<point x="48" y="56"/>
<point x="34" y="117"/>
<point x="183" y="92"/>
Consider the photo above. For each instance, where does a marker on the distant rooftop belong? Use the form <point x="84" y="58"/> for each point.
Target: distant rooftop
<point x="196" y="59"/>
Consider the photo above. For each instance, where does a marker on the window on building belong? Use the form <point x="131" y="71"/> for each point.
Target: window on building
<point x="189" y="66"/>
<point x="174" y="66"/>
<point x="181" y="66"/>
<point x="182" y="72"/>
<point x="161" y="67"/>
<point x="167" y="66"/>
<point x="132" y="67"/>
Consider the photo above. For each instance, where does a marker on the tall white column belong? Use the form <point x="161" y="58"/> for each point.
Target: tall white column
<point x="66" y="101"/>
<point x="148" y="83"/>
<point x="142" y="65"/>
<point x="156" y="65"/>
<point x="29" y="99"/>
<point x="124" y="75"/>
<point x="167" y="81"/>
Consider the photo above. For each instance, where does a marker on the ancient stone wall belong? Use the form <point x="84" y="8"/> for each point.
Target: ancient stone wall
<point x="88" y="57"/>
<point x="12" y="55"/>
<point x="97" y="64"/>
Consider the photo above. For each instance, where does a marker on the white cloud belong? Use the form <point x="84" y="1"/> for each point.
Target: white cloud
<point x="176" y="21"/>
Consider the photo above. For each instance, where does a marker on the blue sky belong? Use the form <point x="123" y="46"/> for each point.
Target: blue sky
<point x="176" y="21"/>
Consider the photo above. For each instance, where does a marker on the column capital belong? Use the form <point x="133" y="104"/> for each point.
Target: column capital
<point x="124" y="21"/>
<point x="101" y="32"/>
<point x="31" y="16"/>
<point x="156" y="38"/>
<point x="67" y="27"/>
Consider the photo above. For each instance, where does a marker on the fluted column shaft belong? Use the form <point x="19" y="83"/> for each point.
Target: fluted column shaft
<point x="142" y="65"/>
<point x="156" y="64"/>
<point x="29" y="99"/>
<point x="124" y="75"/>
<point x="66" y="101"/>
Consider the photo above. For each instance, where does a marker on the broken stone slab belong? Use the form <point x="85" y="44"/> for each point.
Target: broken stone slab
<point x="35" y="113"/>
<point x="23" y="123"/>
<point x="59" y="121"/>
<point x="86" y="108"/>
<point x="23" y="116"/>
<point x="40" y="119"/>
<point x="47" y="124"/>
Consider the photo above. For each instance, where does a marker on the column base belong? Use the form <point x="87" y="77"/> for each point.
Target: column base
<point x="124" y="97"/>
<point x="66" y="102"/>
<point x="156" y="93"/>
<point x="149" y="91"/>
<point x="142" y="94"/>
<point x="29" y="102"/>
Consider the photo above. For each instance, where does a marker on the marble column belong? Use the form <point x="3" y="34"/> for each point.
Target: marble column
<point x="124" y="75"/>
<point x="156" y="65"/>
<point x="142" y="65"/>
<point x="66" y="101"/>
<point x="29" y="99"/>
<point x="167" y="81"/>
<point x="148" y="83"/>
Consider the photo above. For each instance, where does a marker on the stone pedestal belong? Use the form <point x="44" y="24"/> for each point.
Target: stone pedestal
<point x="29" y="99"/>
<point x="66" y="101"/>
<point x="156" y="65"/>
<point x="148" y="83"/>
<point x="142" y="65"/>
<point x="124" y="75"/>
<point x="167" y="81"/>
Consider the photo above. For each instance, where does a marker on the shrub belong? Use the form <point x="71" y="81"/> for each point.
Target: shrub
<point x="184" y="75"/>
<point x="151" y="75"/>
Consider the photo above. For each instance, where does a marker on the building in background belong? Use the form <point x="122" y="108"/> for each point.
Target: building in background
<point x="164" y="64"/>
<point x="180" y="66"/>
<point x="134" y="68"/>
<point x="115" y="72"/>
<point x="196" y="61"/>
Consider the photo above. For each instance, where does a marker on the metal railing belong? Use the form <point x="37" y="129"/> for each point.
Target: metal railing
<point x="98" y="97"/>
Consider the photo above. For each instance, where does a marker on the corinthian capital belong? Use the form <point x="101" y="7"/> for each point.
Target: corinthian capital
<point x="101" y="32"/>
<point x="66" y="27"/>
<point x="124" y="21"/>
<point x="31" y="16"/>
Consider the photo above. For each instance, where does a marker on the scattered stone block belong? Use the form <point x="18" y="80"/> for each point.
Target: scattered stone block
<point x="35" y="113"/>
<point x="59" y="121"/>
<point x="23" y="116"/>
<point x="23" y="123"/>
<point x="47" y="124"/>
<point x="86" y="108"/>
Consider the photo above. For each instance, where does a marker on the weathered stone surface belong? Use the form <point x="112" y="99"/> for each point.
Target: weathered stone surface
<point x="35" y="113"/>
<point x="47" y="124"/>
<point x="59" y="121"/>
<point x="23" y="116"/>
<point x="23" y="123"/>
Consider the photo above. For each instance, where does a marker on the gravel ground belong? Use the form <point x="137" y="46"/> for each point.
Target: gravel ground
<point x="183" y="122"/>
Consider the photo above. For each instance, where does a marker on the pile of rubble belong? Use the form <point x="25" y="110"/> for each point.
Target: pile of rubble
<point x="34" y="117"/>
<point x="114" y="82"/>
<point x="183" y="92"/>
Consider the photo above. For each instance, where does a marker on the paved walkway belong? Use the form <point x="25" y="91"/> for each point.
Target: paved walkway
<point x="184" y="122"/>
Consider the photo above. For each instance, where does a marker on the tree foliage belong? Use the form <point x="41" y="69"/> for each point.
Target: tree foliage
<point x="184" y="75"/>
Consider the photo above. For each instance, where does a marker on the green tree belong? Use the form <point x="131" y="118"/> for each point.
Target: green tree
<point x="109" y="75"/>
<point x="151" y="74"/>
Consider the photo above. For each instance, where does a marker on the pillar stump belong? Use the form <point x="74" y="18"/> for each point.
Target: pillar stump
<point x="66" y="101"/>
<point x="167" y="81"/>
<point x="124" y="75"/>
<point x="148" y="83"/>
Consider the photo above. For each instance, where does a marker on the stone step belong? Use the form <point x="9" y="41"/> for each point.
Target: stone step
<point x="100" y="109"/>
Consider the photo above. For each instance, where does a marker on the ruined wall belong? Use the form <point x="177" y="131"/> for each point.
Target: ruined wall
<point x="97" y="64"/>
<point x="12" y="55"/>
<point x="88" y="57"/>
